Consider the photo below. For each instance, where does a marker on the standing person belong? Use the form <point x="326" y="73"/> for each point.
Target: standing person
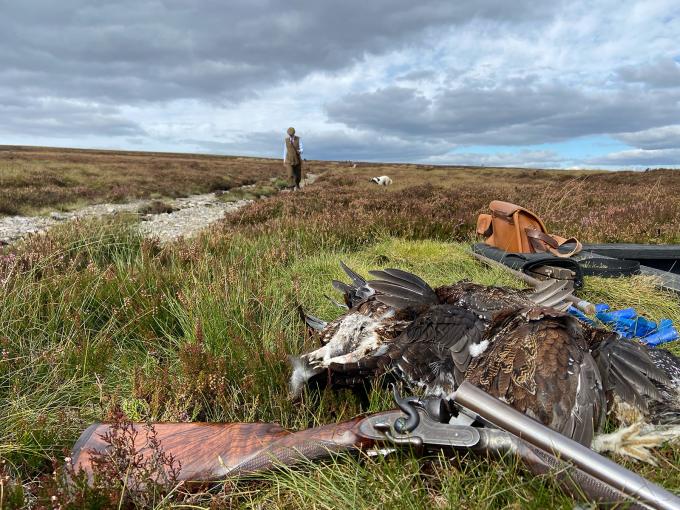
<point x="292" y="158"/>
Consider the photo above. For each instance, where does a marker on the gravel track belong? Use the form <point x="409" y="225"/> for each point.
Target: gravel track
<point x="191" y="215"/>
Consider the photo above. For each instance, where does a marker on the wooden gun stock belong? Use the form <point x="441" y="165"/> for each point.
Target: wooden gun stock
<point x="215" y="451"/>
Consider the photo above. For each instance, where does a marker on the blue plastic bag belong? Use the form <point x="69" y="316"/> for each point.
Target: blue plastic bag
<point x="624" y="327"/>
<point x="616" y="315"/>
<point x="629" y="324"/>
<point x="580" y="315"/>
<point x="665" y="323"/>
<point x="601" y="307"/>
<point x="644" y="327"/>
<point x="661" y="337"/>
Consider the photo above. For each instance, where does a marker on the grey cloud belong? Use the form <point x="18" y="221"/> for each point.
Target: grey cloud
<point x="268" y="144"/>
<point x="507" y="114"/>
<point x="660" y="73"/>
<point x="58" y="118"/>
<point x="68" y="69"/>
<point x="157" y="50"/>
<point x="372" y="147"/>
<point x="335" y="145"/>
<point x="417" y="76"/>
<point x="666" y="137"/>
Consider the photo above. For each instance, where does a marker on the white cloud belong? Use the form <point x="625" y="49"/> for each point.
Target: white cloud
<point x="665" y="137"/>
<point x="639" y="158"/>
<point x="522" y="158"/>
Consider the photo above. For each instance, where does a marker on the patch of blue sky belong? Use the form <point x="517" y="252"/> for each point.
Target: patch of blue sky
<point x="573" y="149"/>
<point x="396" y="70"/>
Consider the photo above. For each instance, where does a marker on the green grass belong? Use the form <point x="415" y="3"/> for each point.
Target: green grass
<point x="94" y="316"/>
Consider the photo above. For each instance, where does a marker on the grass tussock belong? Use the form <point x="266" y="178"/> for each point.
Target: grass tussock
<point x="254" y="191"/>
<point x="157" y="207"/>
<point x="95" y="318"/>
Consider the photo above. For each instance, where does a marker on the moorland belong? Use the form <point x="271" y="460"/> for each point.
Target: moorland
<point x="96" y="320"/>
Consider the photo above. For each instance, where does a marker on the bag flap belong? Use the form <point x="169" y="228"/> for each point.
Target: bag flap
<point x="501" y="208"/>
<point x="484" y="225"/>
<point x="507" y="209"/>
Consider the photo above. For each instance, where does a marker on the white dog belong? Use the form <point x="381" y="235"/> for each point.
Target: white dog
<point x="383" y="180"/>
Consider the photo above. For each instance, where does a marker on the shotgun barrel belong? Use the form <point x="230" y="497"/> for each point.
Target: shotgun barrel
<point x="559" y="446"/>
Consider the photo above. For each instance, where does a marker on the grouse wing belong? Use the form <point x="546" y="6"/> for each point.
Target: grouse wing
<point x="636" y="379"/>
<point x="434" y="351"/>
<point x="400" y="289"/>
<point x="355" y="292"/>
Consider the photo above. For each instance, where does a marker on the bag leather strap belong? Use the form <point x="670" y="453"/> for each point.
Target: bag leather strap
<point x="552" y="243"/>
<point x="291" y="139"/>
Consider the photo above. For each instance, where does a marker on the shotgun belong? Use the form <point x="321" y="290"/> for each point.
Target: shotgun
<point x="211" y="452"/>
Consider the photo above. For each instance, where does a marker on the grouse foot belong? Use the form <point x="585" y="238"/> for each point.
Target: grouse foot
<point x="637" y="441"/>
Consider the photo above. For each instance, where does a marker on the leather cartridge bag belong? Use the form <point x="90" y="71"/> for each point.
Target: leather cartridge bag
<point x="514" y="229"/>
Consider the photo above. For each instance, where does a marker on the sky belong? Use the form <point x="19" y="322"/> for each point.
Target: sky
<point x="573" y="84"/>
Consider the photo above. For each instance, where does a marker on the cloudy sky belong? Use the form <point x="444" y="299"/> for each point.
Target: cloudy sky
<point x="492" y="82"/>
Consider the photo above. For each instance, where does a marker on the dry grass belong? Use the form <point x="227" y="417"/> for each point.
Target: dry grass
<point x="33" y="180"/>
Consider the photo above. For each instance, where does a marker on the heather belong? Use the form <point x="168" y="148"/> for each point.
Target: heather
<point x="97" y="321"/>
<point x="444" y="203"/>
